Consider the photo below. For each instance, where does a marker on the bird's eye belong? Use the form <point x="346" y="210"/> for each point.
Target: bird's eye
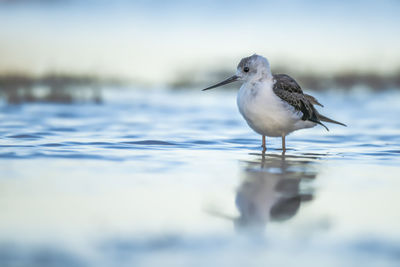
<point x="246" y="69"/>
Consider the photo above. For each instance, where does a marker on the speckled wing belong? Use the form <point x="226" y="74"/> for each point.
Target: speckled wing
<point x="286" y="83"/>
<point x="287" y="89"/>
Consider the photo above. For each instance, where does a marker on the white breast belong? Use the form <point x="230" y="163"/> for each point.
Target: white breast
<point x="265" y="112"/>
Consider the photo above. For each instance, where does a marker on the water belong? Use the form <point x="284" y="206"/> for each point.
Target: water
<point x="176" y="178"/>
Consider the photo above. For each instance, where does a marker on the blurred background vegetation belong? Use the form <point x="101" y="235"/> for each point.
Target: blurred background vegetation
<point x="69" y="50"/>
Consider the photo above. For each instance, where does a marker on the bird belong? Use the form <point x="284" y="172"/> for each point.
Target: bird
<point x="273" y="105"/>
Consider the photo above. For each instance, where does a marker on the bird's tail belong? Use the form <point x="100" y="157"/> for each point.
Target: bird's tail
<point x="326" y="119"/>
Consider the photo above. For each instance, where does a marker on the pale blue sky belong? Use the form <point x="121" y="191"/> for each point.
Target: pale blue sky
<point x="152" y="40"/>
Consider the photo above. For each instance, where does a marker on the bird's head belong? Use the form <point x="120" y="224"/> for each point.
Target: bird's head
<point x="250" y="69"/>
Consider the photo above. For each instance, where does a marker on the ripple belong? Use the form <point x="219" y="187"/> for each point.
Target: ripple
<point x="63" y="129"/>
<point x="74" y="143"/>
<point x="52" y="145"/>
<point x="203" y="142"/>
<point x="393" y="151"/>
<point x="59" y="154"/>
<point x="66" y="115"/>
<point x="131" y="136"/>
<point x="45" y="133"/>
<point x="8" y="155"/>
<point x="150" y="142"/>
<point x="242" y="141"/>
<point x="25" y="136"/>
<point x="16" y="145"/>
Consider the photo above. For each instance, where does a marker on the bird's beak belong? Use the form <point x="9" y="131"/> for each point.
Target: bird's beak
<point x="232" y="79"/>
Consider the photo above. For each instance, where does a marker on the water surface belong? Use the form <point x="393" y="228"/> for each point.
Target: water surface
<point x="176" y="178"/>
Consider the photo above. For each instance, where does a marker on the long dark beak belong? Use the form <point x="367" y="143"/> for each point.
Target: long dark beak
<point x="232" y="79"/>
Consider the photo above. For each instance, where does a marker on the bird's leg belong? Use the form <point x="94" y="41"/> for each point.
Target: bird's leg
<point x="283" y="144"/>
<point x="263" y="143"/>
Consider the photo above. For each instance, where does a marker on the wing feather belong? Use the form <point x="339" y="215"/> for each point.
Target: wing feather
<point x="287" y="89"/>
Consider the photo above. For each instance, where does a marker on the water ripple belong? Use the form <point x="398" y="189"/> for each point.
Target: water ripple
<point x="25" y="136"/>
<point x="150" y="142"/>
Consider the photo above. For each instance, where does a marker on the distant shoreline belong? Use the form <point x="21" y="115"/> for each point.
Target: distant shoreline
<point x="67" y="88"/>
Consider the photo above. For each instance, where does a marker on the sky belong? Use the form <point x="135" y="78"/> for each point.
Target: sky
<point x="152" y="41"/>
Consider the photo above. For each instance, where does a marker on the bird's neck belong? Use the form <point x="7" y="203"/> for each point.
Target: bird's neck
<point x="265" y="77"/>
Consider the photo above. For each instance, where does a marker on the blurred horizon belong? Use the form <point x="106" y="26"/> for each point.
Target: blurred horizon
<point x="154" y="42"/>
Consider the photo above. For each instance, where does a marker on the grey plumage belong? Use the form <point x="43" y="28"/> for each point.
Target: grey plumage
<point x="246" y="62"/>
<point x="287" y="89"/>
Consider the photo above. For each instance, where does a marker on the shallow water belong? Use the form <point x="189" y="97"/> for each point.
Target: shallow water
<point x="176" y="178"/>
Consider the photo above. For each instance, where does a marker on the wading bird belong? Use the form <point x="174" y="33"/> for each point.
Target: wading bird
<point x="273" y="105"/>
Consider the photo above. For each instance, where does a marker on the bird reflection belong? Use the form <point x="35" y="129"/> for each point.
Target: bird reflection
<point x="270" y="191"/>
